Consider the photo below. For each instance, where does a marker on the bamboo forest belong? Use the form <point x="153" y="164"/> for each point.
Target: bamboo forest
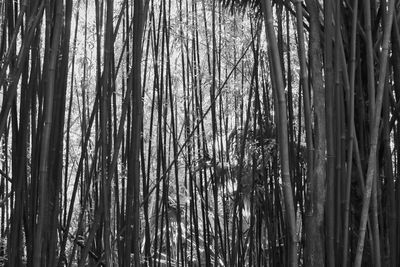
<point x="199" y="133"/>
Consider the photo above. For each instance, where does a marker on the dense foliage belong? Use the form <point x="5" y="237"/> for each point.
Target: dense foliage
<point x="199" y="133"/>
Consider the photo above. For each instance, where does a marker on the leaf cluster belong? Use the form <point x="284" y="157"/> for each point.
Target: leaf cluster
<point x="242" y="5"/>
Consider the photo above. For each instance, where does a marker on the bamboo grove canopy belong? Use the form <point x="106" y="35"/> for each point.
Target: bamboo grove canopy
<point x="241" y="5"/>
<point x="199" y="133"/>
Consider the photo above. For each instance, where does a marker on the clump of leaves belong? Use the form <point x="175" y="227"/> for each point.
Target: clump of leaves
<point x="242" y="5"/>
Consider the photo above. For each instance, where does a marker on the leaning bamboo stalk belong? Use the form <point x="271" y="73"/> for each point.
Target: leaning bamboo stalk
<point x="305" y="84"/>
<point x="353" y="45"/>
<point x="22" y="56"/>
<point x="18" y="141"/>
<point x="371" y="173"/>
<point x="9" y="55"/>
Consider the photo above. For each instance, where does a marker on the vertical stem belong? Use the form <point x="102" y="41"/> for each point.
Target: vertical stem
<point x="44" y="154"/>
<point x="316" y="192"/>
<point x="329" y="100"/>
<point x="351" y="135"/>
<point x="371" y="173"/>
<point x="134" y="81"/>
<point x="283" y="134"/>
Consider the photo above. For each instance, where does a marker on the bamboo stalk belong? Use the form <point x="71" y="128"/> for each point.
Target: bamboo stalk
<point x="283" y="134"/>
<point x="371" y="173"/>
